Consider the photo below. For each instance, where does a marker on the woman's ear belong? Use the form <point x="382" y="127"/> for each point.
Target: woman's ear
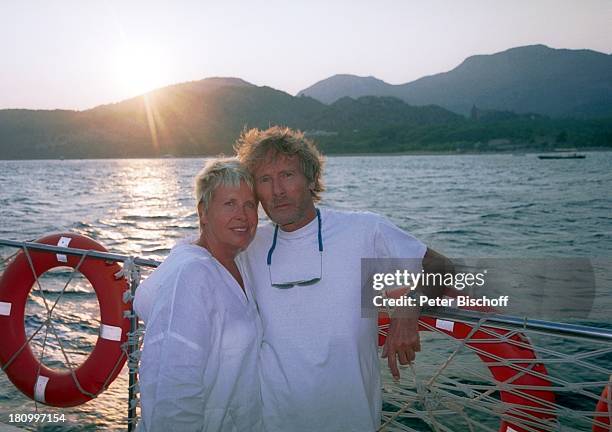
<point x="203" y="219"/>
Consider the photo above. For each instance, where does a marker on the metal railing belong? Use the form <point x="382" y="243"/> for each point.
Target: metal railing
<point x="133" y="278"/>
<point x="447" y="396"/>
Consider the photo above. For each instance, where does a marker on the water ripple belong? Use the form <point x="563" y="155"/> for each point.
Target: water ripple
<point x="493" y="205"/>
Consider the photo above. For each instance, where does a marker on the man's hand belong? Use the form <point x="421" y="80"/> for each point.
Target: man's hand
<point x="402" y="343"/>
<point x="403" y="336"/>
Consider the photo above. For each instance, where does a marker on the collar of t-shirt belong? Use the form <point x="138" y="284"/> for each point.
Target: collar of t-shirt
<point x="296" y="256"/>
<point x="311" y="228"/>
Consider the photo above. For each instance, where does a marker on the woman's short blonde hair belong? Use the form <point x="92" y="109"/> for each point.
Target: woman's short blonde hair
<point x="217" y="172"/>
<point x="255" y="145"/>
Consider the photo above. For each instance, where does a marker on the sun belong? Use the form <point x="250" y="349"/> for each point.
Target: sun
<point x="139" y="69"/>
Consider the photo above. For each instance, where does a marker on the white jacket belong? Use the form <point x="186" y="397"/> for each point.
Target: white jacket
<point x="199" y="364"/>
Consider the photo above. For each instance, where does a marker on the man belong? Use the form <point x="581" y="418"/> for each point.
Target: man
<point x="319" y="364"/>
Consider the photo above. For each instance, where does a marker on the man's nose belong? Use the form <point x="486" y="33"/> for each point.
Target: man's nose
<point x="277" y="188"/>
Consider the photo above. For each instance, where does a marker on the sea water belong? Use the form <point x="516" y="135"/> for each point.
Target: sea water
<point x="494" y="206"/>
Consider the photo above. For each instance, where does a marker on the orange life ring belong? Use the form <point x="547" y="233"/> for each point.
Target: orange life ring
<point x="490" y="353"/>
<point x="61" y="389"/>
<point x="604" y="407"/>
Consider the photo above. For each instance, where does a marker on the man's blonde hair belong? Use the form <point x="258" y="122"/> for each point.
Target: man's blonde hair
<point x="255" y="145"/>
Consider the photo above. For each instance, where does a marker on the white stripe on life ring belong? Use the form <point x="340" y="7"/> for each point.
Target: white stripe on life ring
<point x="110" y="332"/>
<point x="5" y="308"/>
<point x="39" y="388"/>
<point x="63" y="242"/>
<point x="445" y="325"/>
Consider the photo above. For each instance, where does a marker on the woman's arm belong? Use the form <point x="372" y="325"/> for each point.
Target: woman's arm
<point x="185" y="326"/>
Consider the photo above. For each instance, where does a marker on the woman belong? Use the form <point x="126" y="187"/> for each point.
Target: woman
<point x="199" y="362"/>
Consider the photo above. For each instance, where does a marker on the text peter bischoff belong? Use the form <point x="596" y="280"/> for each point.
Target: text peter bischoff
<point x="399" y="289"/>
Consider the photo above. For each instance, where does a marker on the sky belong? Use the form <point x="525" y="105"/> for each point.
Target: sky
<point x="77" y="54"/>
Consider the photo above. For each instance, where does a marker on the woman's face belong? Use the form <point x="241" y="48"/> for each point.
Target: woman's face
<point x="231" y="219"/>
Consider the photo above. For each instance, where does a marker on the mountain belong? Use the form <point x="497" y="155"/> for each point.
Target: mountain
<point x="530" y="79"/>
<point x="371" y="112"/>
<point x="195" y="118"/>
<point x="338" y="86"/>
<point x="520" y="98"/>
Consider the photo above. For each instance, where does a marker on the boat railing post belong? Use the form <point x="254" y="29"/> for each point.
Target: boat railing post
<point x="133" y="340"/>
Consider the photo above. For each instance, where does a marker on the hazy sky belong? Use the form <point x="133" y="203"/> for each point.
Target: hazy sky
<point x="82" y="53"/>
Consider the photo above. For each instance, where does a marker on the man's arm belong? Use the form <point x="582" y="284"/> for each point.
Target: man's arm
<point x="435" y="262"/>
<point x="403" y="340"/>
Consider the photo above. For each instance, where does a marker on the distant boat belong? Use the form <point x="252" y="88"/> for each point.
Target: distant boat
<point x="562" y="156"/>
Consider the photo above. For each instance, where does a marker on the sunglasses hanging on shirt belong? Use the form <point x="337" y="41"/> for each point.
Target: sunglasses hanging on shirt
<point x="288" y="279"/>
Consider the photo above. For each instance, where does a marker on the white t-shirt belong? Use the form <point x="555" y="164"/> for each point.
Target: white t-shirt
<point x="199" y="364"/>
<point x="319" y="362"/>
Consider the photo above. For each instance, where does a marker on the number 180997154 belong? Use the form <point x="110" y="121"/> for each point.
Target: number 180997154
<point x="37" y="418"/>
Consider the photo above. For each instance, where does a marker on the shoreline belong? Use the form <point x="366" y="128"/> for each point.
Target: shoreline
<point x="406" y="153"/>
<point x="471" y="153"/>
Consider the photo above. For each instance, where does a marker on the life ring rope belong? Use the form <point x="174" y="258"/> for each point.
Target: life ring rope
<point x="528" y="371"/>
<point x="497" y="338"/>
<point x="603" y="410"/>
<point x="526" y="390"/>
<point x="106" y="331"/>
<point x="47" y="323"/>
<point x="99" y="369"/>
<point x="441" y="369"/>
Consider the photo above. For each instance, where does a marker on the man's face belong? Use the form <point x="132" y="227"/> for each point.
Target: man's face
<point x="284" y="191"/>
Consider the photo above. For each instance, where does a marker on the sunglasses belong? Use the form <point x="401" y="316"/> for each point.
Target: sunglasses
<point x="306" y="282"/>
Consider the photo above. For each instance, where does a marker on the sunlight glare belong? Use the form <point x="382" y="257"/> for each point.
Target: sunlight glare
<point x="139" y="69"/>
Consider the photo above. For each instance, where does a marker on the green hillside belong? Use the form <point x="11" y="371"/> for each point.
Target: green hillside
<point x="205" y="117"/>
